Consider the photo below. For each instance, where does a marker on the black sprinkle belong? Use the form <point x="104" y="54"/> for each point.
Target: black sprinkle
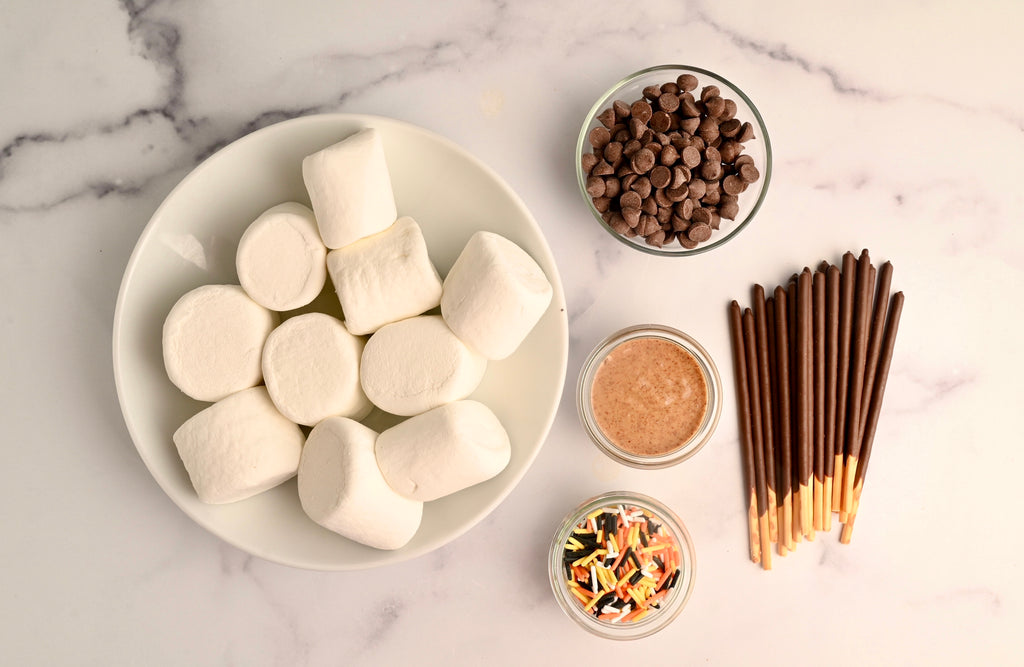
<point x="675" y="577"/>
<point x="632" y="556"/>
<point x="629" y="552"/>
<point x="660" y="563"/>
<point x="653" y="528"/>
<point x="612" y="522"/>
<point x="643" y="538"/>
<point x="637" y="576"/>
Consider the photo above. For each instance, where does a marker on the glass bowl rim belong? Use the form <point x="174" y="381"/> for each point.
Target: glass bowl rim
<point x="675" y="603"/>
<point x="603" y="101"/>
<point x="712" y="377"/>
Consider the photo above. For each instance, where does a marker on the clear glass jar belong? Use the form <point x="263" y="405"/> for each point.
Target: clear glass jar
<point x="686" y="448"/>
<point x="620" y="626"/>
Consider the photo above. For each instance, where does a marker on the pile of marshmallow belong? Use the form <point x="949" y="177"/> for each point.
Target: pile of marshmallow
<point x="227" y="344"/>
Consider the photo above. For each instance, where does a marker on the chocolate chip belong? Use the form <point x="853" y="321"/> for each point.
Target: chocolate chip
<point x="595" y="186"/>
<point x="688" y="106"/>
<point x="697" y="188"/>
<point x="707" y="92"/>
<point x="602" y="168"/>
<point x="691" y="157"/>
<point x="607" y="118"/>
<point x="631" y="147"/>
<point x="685" y="209"/>
<point x="600" y="136"/>
<point x="689" y="125"/>
<point x="631" y="215"/>
<point x="656" y="239"/>
<point x="612" y="151"/>
<point x="680" y="176"/>
<point x="602" y="204"/>
<point x="619" y="225"/>
<point x="669" y="155"/>
<point x="749" y="173"/>
<point x="730" y="110"/>
<point x="650" y="207"/>
<point x="612" y="187"/>
<point x="628" y="180"/>
<point x="668" y="101"/>
<point x="728" y="209"/>
<point x="587" y="162"/>
<point x="686" y="242"/>
<point x="677" y="194"/>
<point x="730" y="150"/>
<point x="637" y="128"/>
<point x="746" y="133"/>
<point x="701" y="216"/>
<point x="686" y="82"/>
<point x="661" y="175"/>
<point x="730" y="128"/>
<point x="732" y="185"/>
<point x="652" y="92"/>
<point x="715" y="106"/>
<point x="642" y="160"/>
<point x="678" y="224"/>
<point x="641" y="109"/>
<point x="621" y="109"/>
<point x="642" y="186"/>
<point x="630" y="199"/>
<point x="660" y="121"/>
<point x="699" y="232"/>
<point x="708" y="130"/>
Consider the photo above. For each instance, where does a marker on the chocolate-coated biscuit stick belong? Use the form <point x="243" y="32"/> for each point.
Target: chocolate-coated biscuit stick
<point x="831" y="371"/>
<point x="780" y="478"/>
<point x="739" y="362"/>
<point x="763" y="377"/>
<point x="805" y="402"/>
<point x="847" y="285"/>
<point x="877" y="394"/>
<point x="794" y="411"/>
<point x="818" y="311"/>
<point x="859" y="345"/>
<point x="881" y="305"/>
<point x="750" y="348"/>
<point x="785" y="445"/>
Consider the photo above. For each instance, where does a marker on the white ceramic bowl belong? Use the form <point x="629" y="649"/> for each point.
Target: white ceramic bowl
<point x="191" y="241"/>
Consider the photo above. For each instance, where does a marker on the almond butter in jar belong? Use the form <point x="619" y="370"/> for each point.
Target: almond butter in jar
<point x="649" y="396"/>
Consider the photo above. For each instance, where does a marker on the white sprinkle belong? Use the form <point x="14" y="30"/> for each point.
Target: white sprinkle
<point x="625" y="517"/>
<point x="608" y="609"/>
<point x="593" y="579"/>
<point x="625" y="612"/>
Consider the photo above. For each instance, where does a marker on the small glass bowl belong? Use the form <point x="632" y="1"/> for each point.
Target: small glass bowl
<point x="669" y="607"/>
<point x="630" y="90"/>
<point x="685" y="450"/>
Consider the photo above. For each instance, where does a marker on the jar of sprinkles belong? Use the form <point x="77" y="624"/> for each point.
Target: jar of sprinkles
<point x="649" y="396"/>
<point x="621" y="565"/>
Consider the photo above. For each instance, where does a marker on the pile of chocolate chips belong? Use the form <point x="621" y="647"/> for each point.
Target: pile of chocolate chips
<point x="669" y="166"/>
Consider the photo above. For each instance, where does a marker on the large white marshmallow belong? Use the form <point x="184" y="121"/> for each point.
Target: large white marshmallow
<point x="238" y="447"/>
<point x="350" y="188"/>
<point x="411" y="366"/>
<point x="341" y="487"/>
<point x="494" y="295"/>
<point x="385" y="278"/>
<point x="443" y="450"/>
<point x="281" y="261"/>
<point x="213" y="341"/>
<point x="311" y="369"/>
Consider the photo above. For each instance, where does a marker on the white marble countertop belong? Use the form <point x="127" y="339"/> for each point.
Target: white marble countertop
<point x="896" y="127"/>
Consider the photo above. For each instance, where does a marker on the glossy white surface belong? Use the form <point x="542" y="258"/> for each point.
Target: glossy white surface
<point x="894" y="127"/>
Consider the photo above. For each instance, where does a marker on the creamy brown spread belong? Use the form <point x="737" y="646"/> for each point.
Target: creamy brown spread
<point x="649" y="396"/>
